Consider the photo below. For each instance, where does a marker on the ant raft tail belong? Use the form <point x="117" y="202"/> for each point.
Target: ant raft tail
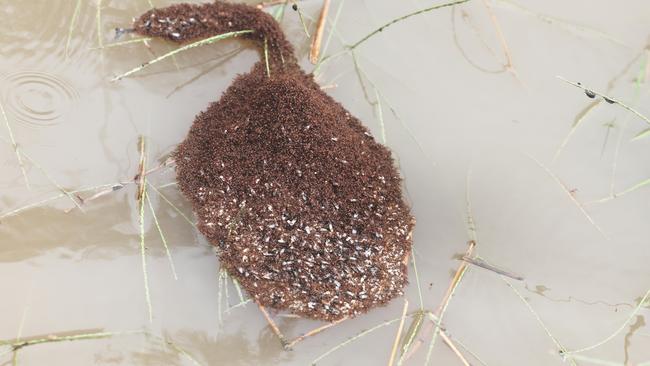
<point x="190" y="22"/>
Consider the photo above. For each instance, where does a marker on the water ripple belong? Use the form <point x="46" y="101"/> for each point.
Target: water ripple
<point x="37" y="98"/>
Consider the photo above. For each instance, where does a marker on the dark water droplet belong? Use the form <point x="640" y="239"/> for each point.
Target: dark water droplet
<point x="590" y="94"/>
<point x="294" y="6"/>
<point x="609" y="100"/>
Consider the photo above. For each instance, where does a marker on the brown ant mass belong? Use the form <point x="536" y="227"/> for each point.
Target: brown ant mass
<point x="303" y="205"/>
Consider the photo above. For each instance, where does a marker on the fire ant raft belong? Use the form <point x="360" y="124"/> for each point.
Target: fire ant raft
<point x="304" y="207"/>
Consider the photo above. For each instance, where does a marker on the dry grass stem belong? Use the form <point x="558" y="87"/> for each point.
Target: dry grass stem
<point x="440" y="311"/>
<point x="504" y="45"/>
<point x="313" y="332"/>
<point x="453" y="347"/>
<point x="98" y="20"/>
<point x="140" y="198"/>
<point x="273" y="326"/>
<point x="354" y="338"/>
<point x="73" y="23"/>
<point x="122" y="43"/>
<point x="476" y="261"/>
<point x="314" y="52"/>
<point x="398" y="335"/>
<point x="266" y="4"/>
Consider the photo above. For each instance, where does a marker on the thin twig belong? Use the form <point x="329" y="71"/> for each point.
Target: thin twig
<point x="14" y="145"/>
<point x="314" y="52"/>
<point x="397" y="20"/>
<point x="398" y="335"/>
<point x="202" y="42"/>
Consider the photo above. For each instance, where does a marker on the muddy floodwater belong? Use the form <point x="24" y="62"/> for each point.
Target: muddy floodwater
<point x="519" y="128"/>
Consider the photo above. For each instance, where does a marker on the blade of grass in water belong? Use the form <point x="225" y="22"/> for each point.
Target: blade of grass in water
<point x="73" y="23"/>
<point x="162" y="238"/>
<point x="200" y="43"/>
<point x="14" y="146"/>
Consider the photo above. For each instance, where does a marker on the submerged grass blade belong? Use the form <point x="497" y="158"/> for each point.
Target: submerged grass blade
<point x="122" y="43"/>
<point x="581" y="117"/>
<point x="98" y="16"/>
<point x="571" y="197"/>
<point x="200" y="43"/>
<point x="73" y="23"/>
<point x="14" y="145"/>
<point x="54" y="182"/>
<point x="178" y="210"/>
<point x="354" y="338"/>
<point x="404" y="17"/>
<point x="48" y="200"/>
<point x="643" y="302"/>
<point x="162" y="238"/>
<point x="629" y="190"/>
<point x="539" y="320"/>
